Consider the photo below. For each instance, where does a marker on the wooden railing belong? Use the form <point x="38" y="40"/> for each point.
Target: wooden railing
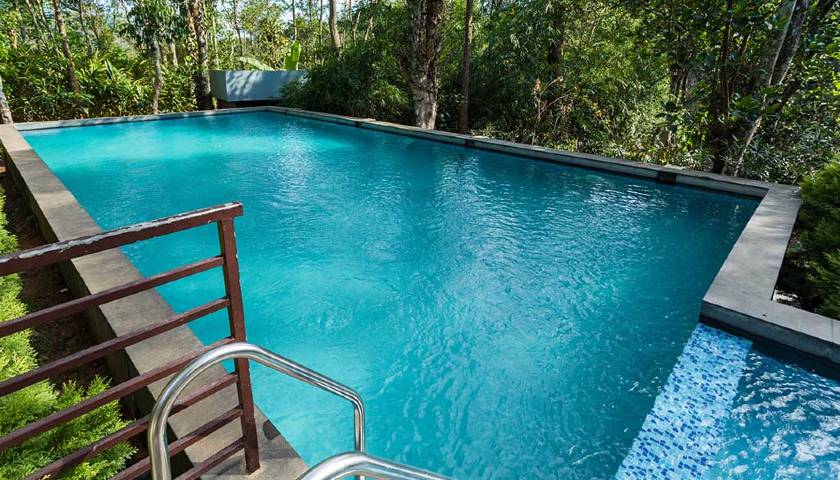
<point x="222" y="216"/>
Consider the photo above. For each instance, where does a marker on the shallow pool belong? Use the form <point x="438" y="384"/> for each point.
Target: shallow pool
<point x="502" y="317"/>
<point x="784" y="423"/>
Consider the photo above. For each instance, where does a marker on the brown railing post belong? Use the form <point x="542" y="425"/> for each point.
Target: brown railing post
<point x="41" y="256"/>
<point x="227" y="241"/>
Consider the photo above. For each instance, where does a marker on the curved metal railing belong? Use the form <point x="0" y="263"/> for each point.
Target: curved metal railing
<point x="358" y="463"/>
<point x="159" y="458"/>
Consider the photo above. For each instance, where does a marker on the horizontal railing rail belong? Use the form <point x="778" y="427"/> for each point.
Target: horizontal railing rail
<point x="222" y="216"/>
<point x="99" y="242"/>
<point x="239" y="351"/>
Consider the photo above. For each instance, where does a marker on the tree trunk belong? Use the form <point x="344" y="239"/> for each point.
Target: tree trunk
<point x="320" y="24"/>
<point x="355" y="24"/>
<point x="5" y="111"/>
<point x="41" y="37"/>
<point x="174" y="53"/>
<point x="43" y="11"/>
<point x="728" y="140"/>
<point x="425" y="107"/>
<point x="21" y="26"/>
<point x="336" y="37"/>
<point x="214" y="37"/>
<point x="238" y="28"/>
<point x="421" y="69"/>
<point x="65" y="45"/>
<point x="13" y="32"/>
<point x="369" y="28"/>
<point x="94" y="26"/>
<point x="158" y="83"/>
<point x="464" y="107"/>
<point x="782" y="51"/>
<point x="84" y="28"/>
<point x="201" y="77"/>
<point x="294" y="19"/>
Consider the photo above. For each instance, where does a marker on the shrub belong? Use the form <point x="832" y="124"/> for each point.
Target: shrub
<point x="19" y="408"/>
<point x="363" y="82"/>
<point x="826" y="276"/>
<point x="820" y="236"/>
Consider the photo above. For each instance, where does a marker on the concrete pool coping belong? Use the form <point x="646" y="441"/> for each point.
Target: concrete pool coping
<point x="740" y="296"/>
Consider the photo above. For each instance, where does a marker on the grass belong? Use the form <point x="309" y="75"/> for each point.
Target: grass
<point x="43" y="398"/>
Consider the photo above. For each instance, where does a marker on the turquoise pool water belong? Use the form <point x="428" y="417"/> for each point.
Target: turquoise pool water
<point x="784" y="423"/>
<point x="502" y="317"/>
<point x="730" y="410"/>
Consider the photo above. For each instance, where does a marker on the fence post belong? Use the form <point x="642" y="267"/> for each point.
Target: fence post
<point x="227" y="242"/>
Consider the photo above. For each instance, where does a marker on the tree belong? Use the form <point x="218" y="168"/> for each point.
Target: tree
<point x="744" y="87"/>
<point x="5" y="112"/>
<point x="83" y="26"/>
<point x="464" y="107"/>
<point x="151" y="23"/>
<point x="237" y="27"/>
<point x="421" y="63"/>
<point x="294" y="20"/>
<point x="336" y="37"/>
<point x="740" y="104"/>
<point x="201" y="75"/>
<point x="65" y="45"/>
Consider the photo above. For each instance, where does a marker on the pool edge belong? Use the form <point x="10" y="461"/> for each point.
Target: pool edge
<point x="61" y="217"/>
<point x="740" y="296"/>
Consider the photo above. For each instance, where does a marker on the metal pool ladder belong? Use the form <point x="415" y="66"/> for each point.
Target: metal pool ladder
<point x="346" y="464"/>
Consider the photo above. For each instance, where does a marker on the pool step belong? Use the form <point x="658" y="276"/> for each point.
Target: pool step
<point x="682" y="432"/>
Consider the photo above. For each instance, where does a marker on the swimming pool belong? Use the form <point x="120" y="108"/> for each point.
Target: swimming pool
<point x="497" y="314"/>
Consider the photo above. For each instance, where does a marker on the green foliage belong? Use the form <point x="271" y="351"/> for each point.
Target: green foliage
<point x="41" y="399"/>
<point x="264" y="36"/>
<point x="177" y="93"/>
<point x="820" y="215"/>
<point x="716" y="53"/>
<point x="114" y="82"/>
<point x="826" y="277"/>
<point x="254" y="63"/>
<point x="820" y="238"/>
<point x="601" y="94"/>
<point x="292" y="60"/>
<point x="364" y="81"/>
<point x="150" y="22"/>
<point x="289" y="63"/>
<point x="660" y="81"/>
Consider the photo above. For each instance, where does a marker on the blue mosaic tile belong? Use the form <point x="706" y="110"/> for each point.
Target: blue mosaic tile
<point x="682" y="432"/>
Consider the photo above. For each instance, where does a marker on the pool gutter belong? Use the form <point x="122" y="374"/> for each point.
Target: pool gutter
<point x="740" y="297"/>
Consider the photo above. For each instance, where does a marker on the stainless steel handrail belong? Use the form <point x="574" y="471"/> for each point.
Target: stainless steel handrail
<point x="357" y="463"/>
<point x="159" y="458"/>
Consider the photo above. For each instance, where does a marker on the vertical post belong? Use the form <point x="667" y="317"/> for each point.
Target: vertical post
<point x="227" y="242"/>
